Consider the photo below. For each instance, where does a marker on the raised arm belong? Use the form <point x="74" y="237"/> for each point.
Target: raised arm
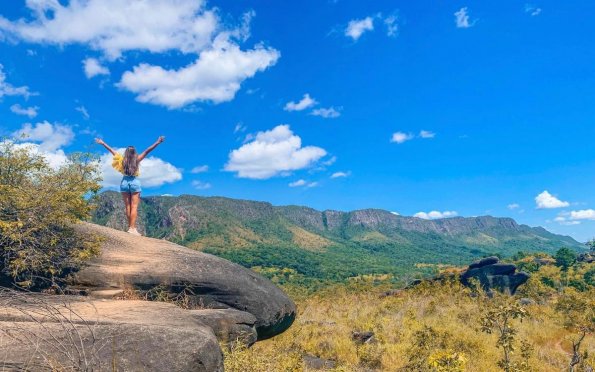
<point x="151" y="148"/>
<point x="100" y="141"/>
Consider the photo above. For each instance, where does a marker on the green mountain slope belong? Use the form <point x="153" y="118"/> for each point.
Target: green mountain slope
<point x="329" y="245"/>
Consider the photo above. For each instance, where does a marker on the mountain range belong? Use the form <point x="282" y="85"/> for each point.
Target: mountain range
<point x="305" y="243"/>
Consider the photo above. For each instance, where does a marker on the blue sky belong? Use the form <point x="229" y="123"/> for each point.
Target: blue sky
<point x="461" y="108"/>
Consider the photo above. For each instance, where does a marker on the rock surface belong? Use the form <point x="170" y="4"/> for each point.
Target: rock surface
<point x="494" y="275"/>
<point x="144" y="263"/>
<point x="45" y="332"/>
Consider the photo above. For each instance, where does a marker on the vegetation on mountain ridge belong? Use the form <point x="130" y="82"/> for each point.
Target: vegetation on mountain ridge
<point x="326" y="246"/>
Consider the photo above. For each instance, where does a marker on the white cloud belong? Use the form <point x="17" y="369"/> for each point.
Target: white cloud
<point x="7" y="89"/>
<point x="83" y="111"/>
<point x="200" y="169"/>
<point x="215" y="76"/>
<point x="585" y="214"/>
<point x="401" y="137"/>
<point x="297" y="183"/>
<point x="303" y="183"/>
<point x="341" y="174"/>
<point x="392" y="27"/>
<point x="50" y="136"/>
<point x="199" y="185"/>
<point x="357" y="27"/>
<point x="427" y="134"/>
<point x="462" y="19"/>
<point x="513" y="206"/>
<point x="396" y="213"/>
<point x="55" y="158"/>
<point x="239" y="128"/>
<point x="329" y="161"/>
<point x="435" y="215"/>
<point x="327" y="113"/>
<point x="31" y="112"/>
<point x="545" y="200"/>
<point x="93" y="67"/>
<point x="274" y="152"/>
<point x="113" y="27"/>
<point x="304" y="103"/>
<point x="532" y="10"/>
<point x="154" y="172"/>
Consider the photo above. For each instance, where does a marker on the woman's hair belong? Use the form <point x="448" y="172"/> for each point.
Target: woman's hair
<point x="130" y="163"/>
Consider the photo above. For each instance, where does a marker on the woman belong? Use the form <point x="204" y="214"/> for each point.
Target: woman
<point x="130" y="188"/>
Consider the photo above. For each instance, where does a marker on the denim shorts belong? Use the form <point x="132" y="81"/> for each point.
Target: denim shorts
<point x="130" y="184"/>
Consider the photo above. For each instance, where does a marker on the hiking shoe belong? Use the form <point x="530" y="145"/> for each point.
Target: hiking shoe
<point x="134" y="232"/>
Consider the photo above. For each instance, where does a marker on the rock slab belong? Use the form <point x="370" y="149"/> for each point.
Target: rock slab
<point x="139" y="262"/>
<point x="494" y="275"/>
<point x="44" y="332"/>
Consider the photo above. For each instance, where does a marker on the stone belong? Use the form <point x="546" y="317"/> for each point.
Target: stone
<point x="230" y="325"/>
<point x="361" y="338"/>
<point x="316" y="363"/>
<point x="47" y="332"/>
<point x="144" y="263"/>
<point x="493" y="275"/>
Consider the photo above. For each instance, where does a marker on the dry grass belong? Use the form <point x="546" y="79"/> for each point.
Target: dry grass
<point x="411" y="329"/>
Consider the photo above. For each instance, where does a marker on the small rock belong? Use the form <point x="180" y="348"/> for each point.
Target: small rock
<point x="361" y="338"/>
<point x="526" y="301"/>
<point x="313" y="362"/>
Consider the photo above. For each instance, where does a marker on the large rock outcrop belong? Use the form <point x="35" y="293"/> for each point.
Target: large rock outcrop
<point x="494" y="275"/>
<point x="44" y="332"/>
<point x="144" y="263"/>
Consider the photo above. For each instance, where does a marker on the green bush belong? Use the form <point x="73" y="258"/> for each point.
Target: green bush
<point x="38" y="206"/>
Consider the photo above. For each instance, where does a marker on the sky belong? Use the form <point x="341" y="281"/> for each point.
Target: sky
<point x="425" y="108"/>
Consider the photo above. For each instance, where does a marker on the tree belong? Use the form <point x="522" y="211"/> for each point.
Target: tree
<point x="591" y="245"/>
<point x="38" y="206"/>
<point x="578" y="312"/>
<point x="565" y="258"/>
<point x="499" y="318"/>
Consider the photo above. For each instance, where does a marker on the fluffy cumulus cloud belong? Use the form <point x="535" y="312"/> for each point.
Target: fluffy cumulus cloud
<point x="155" y="26"/>
<point x="154" y="172"/>
<point x="215" y="76"/>
<point x="356" y="28"/>
<point x="31" y="112"/>
<point x="50" y="136"/>
<point x="462" y="19"/>
<point x="7" y="89"/>
<point x="93" y="67"/>
<point x="274" y="152"/>
<point x="55" y="158"/>
<point x="305" y="103"/>
<point x="575" y="217"/>
<point x="401" y="137"/>
<point x="545" y="200"/>
<point x="435" y="215"/>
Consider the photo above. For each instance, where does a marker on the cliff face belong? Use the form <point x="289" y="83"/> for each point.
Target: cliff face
<point x="368" y="240"/>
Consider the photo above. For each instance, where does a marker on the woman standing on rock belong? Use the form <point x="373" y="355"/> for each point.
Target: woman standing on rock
<point x="130" y="187"/>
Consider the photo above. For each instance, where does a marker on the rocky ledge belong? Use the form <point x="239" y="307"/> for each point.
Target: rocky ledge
<point x="98" y="331"/>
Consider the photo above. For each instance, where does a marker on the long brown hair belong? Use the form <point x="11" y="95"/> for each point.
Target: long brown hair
<point x="130" y="163"/>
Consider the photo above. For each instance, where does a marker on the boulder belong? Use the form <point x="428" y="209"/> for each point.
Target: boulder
<point x="229" y="325"/>
<point x="144" y="263"/>
<point x="45" y="332"/>
<point x="494" y="275"/>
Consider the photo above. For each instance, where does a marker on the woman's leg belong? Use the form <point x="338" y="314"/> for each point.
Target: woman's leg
<point x="126" y="197"/>
<point x="134" y="200"/>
